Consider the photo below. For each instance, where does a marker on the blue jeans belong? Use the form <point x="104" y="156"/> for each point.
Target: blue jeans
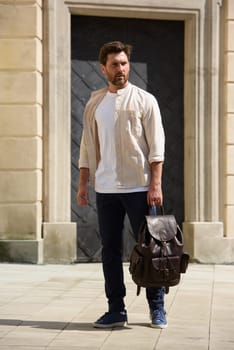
<point x="112" y="209"/>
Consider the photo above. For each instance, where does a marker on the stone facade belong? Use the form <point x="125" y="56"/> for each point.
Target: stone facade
<point x="21" y="131"/>
<point x="35" y="131"/>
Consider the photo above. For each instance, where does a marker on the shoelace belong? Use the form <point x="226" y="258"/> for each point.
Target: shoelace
<point x="158" y="314"/>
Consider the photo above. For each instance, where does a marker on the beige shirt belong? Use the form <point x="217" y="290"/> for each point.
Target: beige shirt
<point x="139" y="136"/>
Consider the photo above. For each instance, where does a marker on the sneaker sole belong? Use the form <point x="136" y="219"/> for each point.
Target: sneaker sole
<point x="112" y="325"/>
<point x="163" y="326"/>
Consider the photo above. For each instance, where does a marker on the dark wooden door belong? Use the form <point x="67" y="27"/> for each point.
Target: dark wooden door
<point x="157" y="65"/>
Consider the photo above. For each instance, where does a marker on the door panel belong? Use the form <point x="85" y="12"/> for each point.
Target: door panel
<point x="157" y="65"/>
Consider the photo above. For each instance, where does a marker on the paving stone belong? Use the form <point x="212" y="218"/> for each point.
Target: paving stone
<point x="52" y="307"/>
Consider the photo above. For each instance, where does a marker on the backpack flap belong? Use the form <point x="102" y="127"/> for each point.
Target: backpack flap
<point x="162" y="227"/>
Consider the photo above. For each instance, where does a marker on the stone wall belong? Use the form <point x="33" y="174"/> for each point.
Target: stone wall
<point x="35" y="132"/>
<point x="20" y="130"/>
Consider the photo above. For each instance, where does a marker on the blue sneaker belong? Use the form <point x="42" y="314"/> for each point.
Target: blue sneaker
<point x="111" y="320"/>
<point x="158" y="318"/>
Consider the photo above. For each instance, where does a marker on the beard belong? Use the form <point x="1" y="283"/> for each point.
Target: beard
<point x="118" y="80"/>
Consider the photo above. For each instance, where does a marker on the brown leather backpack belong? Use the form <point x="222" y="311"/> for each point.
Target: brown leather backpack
<point x="157" y="260"/>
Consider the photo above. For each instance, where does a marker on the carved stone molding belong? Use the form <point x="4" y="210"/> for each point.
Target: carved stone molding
<point x="201" y="99"/>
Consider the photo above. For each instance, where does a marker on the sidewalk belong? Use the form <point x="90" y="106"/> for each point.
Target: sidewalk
<point x="53" y="307"/>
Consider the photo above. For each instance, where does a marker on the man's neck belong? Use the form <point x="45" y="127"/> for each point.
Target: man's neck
<point x="113" y="88"/>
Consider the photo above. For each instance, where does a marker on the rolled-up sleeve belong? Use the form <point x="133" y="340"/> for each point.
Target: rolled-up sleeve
<point x="83" y="159"/>
<point x="154" y="130"/>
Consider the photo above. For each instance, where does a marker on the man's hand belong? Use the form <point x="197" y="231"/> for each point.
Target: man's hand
<point x="154" y="195"/>
<point x="82" y="194"/>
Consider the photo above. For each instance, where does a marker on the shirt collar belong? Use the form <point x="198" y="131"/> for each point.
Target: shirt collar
<point x="124" y="90"/>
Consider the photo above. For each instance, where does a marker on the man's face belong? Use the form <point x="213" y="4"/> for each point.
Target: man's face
<point x="117" y="69"/>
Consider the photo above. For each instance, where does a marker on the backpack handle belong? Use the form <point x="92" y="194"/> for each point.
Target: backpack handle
<point x="154" y="210"/>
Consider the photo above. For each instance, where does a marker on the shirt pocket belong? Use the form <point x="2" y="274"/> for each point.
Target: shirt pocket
<point x="135" y="123"/>
<point x="137" y="139"/>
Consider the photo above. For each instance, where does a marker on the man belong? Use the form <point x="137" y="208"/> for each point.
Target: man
<point x="121" y="154"/>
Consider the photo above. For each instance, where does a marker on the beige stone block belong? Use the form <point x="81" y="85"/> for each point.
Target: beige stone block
<point x="20" y="120"/>
<point x="206" y="243"/>
<point x="20" y="186"/>
<point x="230" y="35"/>
<point x="23" y="2"/>
<point x="230" y="99"/>
<point x="21" y="54"/>
<point x="21" y="153"/>
<point x="230" y="160"/>
<point x="20" y="221"/>
<point x="229" y="216"/>
<point x="230" y="9"/>
<point x="20" y="87"/>
<point x="59" y="242"/>
<point x="230" y="190"/>
<point x="21" y="251"/>
<point x="230" y="67"/>
<point x="230" y="129"/>
<point x="20" y="20"/>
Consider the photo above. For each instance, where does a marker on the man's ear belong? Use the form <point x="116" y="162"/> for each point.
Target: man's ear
<point x="103" y="68"/>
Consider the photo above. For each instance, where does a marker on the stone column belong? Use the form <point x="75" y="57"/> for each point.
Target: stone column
<point x="58" y="231"/>
<point x="205" y="235"/>
<point x="228" y="119"/>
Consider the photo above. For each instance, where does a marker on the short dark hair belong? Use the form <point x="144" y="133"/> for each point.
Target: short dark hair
<point x="113" y="47"/>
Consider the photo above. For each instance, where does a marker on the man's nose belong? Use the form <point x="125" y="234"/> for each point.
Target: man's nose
<point x="120" y="67"/>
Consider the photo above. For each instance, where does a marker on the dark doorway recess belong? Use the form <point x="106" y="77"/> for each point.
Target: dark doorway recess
<point x="157" y="65"/>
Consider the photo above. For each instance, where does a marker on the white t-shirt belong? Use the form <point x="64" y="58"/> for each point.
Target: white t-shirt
<point x="105" y="176"/>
